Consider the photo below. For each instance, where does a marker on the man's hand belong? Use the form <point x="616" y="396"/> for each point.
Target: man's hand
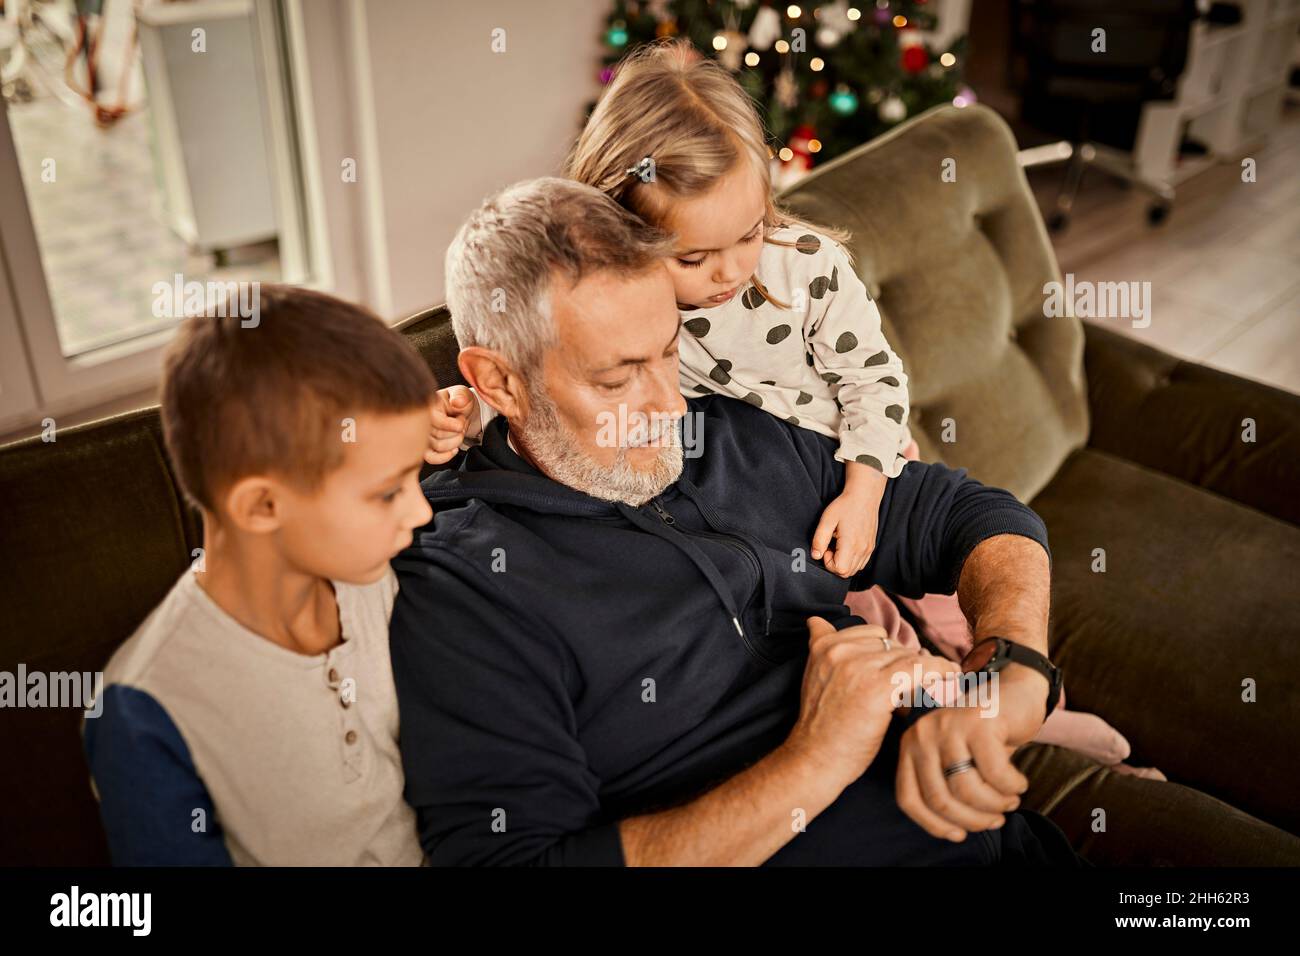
<point x="453" y="415"/>
<point x="851" y="685"/>
<point x="975" y="799"/>
<point x="1004" y="589"/>
<point x="851" y="520"/>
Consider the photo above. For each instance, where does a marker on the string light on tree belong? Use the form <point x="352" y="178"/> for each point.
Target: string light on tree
<point x="795" y="159"/>
<point x="857" y="71"/>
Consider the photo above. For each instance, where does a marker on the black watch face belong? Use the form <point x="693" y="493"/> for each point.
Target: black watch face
<point x="980" y="655"/>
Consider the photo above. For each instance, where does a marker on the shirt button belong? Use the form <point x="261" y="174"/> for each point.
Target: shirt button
<point x="345" y="701"/>
<point x="350" y="737"/>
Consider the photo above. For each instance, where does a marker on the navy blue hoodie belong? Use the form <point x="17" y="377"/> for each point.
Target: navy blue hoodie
<point x="563" y="662"/>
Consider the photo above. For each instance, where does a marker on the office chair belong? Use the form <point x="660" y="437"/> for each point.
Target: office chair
<point x="1094" y="100"/>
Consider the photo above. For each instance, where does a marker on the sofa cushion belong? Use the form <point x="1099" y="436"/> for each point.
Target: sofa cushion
<point x="1189" y="421"/>
<point x="958" y="269"/>
<point x="1196" y="598"/>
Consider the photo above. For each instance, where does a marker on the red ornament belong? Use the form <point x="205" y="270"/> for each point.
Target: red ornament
<point x="915" y="59"/>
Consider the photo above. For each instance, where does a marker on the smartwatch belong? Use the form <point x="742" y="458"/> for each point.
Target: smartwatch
<point x="994" y="653"/>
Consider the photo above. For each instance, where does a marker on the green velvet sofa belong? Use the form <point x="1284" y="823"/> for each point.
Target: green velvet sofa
<point x="1118" y="446"/>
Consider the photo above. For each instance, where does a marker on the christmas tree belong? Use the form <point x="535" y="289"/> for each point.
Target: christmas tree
<point x="826" y="77"/>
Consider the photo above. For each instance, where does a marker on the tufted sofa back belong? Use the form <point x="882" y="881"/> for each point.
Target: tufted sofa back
<point x="958" y="270"/>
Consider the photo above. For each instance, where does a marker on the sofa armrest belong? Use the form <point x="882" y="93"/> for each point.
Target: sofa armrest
<point x="1185" y="420"/>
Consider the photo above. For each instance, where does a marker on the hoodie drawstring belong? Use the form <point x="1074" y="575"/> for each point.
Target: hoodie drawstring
<point x="715" y="521"/>
<point x="680" y="541"/>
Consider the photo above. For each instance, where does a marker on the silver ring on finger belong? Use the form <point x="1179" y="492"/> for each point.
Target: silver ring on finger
<point x="886" y="642"/>
<point x="960" y="767"/>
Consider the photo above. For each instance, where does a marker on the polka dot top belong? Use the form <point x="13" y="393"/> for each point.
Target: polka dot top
<point x="822" y="364"/>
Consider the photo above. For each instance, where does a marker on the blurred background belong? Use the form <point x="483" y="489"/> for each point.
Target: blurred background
<point x="340" y="143"/>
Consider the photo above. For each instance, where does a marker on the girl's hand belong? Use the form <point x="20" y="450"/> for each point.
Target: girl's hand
<point x="851" y="519"/>
<point x="453" y="415"/>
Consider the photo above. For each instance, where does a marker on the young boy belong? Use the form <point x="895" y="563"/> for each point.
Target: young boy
<point x="251" y="719"/>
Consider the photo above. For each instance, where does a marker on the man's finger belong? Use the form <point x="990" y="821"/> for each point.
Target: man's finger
<point x="940" y="798"/>
<point x="969" y="786"/>
<point x="941" y="666"/>
<point x="908" y="794"/>
<point x="996" y="766"/>
<point x="819" y="627"/>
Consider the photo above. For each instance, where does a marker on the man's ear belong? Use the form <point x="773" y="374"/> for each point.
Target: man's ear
<point x="495" y="380"/>
<point x="253" y="504"/>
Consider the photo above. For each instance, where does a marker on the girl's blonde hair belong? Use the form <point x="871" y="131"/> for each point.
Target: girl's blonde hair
<point x="691" y="117"/>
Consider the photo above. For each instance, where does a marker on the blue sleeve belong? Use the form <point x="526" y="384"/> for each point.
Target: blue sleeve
<point x="931" y="518"/>
<point x="493" y="765"/>
<point x="147" y="786"/>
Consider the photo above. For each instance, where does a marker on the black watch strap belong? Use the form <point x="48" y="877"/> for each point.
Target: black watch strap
<point x="1011" y="652"/>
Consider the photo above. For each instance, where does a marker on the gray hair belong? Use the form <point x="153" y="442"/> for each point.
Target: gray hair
<point x="500" y="265"/>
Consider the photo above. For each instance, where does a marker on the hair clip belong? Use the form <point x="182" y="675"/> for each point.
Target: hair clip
<point x="644" y="170"/>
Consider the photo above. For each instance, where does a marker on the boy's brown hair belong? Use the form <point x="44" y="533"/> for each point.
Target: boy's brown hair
<point x="270" y="397"/>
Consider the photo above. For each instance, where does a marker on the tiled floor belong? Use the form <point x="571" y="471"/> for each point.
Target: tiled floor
<point x="1224" y="269"/>
<point x="100" y="225"/>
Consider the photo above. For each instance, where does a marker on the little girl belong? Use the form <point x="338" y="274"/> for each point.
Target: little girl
<point x="774" y="311"/>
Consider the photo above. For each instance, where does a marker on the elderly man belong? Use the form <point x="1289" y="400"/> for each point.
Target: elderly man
<point x="609" y="651"/>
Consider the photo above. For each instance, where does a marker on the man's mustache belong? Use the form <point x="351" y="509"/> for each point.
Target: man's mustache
<point x="660" y="431"/>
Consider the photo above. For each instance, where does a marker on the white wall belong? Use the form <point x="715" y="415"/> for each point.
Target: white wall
<point x="436" y="121"/>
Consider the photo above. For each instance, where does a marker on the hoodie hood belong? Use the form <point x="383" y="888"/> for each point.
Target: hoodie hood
<point x="494" y="473"/>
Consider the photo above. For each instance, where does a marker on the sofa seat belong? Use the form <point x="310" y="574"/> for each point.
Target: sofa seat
<point x="1197" y="596"/>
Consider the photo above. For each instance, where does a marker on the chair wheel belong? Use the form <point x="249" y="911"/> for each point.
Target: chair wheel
<point x="1157" y="213"/>
<point x="1057" y="221"/>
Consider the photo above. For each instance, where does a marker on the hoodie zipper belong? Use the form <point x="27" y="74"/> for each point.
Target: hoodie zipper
<point x="754" y="564"/>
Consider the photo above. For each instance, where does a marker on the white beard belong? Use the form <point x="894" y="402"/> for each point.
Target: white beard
<point x="559" y="454"/>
